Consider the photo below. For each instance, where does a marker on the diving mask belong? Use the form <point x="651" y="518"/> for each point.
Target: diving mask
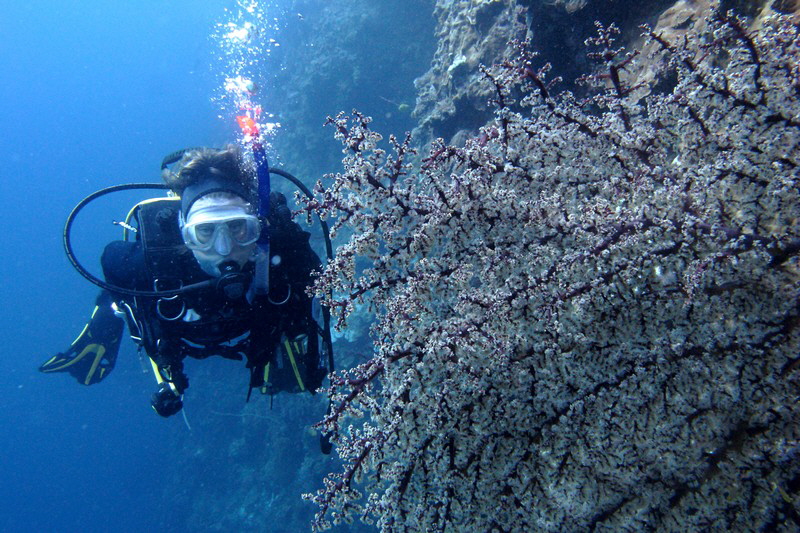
<point x="219" y="225"/>
<point x="220" y="234"/>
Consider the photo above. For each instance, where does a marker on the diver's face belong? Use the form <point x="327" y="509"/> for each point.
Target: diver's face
<point x="220" y="228"/>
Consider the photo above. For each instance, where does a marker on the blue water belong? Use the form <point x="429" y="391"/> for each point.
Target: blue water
<point x="94" y="93"/>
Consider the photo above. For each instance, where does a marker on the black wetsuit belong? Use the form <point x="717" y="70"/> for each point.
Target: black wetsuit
<point x="207" y="322"/>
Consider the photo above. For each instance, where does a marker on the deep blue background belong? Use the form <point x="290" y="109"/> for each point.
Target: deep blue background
<point x="93" y="93"/>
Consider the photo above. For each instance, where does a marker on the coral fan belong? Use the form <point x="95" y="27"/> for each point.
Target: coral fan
<point x="588" y="315"/>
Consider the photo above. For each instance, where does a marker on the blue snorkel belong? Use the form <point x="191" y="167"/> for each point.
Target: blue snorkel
<point x="261" y="277"/>
<point x="242" y="89"/>
<point x="250" y="131"/>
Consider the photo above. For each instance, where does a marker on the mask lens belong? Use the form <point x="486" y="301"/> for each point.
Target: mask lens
<point x="242" y="230"/>
<point x="204" y="232"/>
<point x="238" y="230"/>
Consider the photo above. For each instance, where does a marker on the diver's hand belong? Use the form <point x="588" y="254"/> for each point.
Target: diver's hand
<point x="166" y="402"/>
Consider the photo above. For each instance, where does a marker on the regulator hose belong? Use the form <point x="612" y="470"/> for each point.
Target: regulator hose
<point x="67" y="237"/>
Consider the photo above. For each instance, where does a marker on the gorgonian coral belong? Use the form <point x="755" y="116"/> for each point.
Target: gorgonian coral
<point x="587" y="317"/>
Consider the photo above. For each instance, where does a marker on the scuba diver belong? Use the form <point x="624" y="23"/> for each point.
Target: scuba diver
<point x="217" y="268"/>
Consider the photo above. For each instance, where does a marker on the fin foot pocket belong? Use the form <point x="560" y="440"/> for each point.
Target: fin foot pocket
<point x="92" y="356"/>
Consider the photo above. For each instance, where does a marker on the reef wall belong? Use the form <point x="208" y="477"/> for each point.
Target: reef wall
<point x="451" y="101"/>
<point x="342" y="54"/>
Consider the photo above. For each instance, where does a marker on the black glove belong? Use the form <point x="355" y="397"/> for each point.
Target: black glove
<point x="166" y="402"/>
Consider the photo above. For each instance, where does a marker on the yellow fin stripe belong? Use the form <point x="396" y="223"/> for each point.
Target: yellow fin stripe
<point x="89" y="349"/>
<point x="97" y="358"/>
<point x="86" y="327"/>
<point x="294" y="365"/>
<point x="266" y="379"/>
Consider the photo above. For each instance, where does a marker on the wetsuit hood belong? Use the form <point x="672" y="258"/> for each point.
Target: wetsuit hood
<point x="208" y="185"/>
